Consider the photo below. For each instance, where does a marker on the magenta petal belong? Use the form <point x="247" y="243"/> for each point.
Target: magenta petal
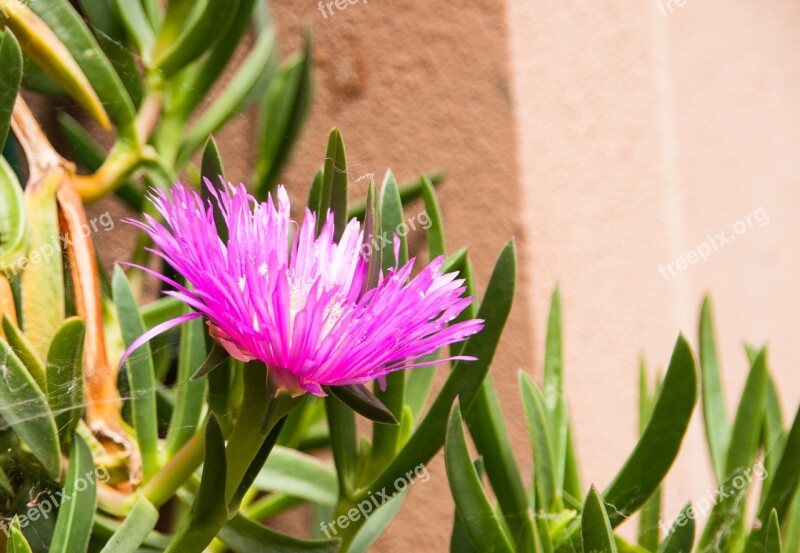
<point x="155" y="331"/>
<point x="279" y="292"/>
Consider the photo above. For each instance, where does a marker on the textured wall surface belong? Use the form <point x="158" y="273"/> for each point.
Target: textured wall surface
<point x="611" y="140"/>
<point x="645" y="131"/>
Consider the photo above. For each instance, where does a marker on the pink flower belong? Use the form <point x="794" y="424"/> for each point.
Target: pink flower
<point x="295" y="300"/>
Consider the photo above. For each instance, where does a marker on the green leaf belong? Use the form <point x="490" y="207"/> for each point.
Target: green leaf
<point x="10" y="79"/>
<point x="140" y="374"/>
<point x="243" y="88"/>
<point x="24" y="352"/>
<point x="658" y="447"/>
<point x="409" y="191"/>
<point x="488" y="430"/>
<point x="792" y="525"/>
<point x="554" y="401"/>
<point x="772" y="542"/>
<point x="284" y="110"/>
<point x="207" y="19"/>
<point x="299" y="475"/>
<point x="65" y="376"/>
<point x="14" y="228"/>
<point x="772" y="434"/>
<point x="465" y="378"/>
<point x="110" y="35"/>
<point x="216" y="357"/>
<point x="661" y="440"/>
<point x="474" y="509"/>
<point x="780" y="486"/>
<point x="136" y="527"/>
<point x="246" y="536"/>
<point x="363" y="402"/>
<point x="189" y="395"/>
<point x="436" y="242"/>
<point x="17" y="542"/>
<point x="371" y="242"/>
<point x="598" y="537"/>
<point x="342" y="427"/>
<point x="459" y="539"/>
<point x="747" y="426"/>
<point x="210" y="508"/>
<point x="716" y="422"/>
<point x="385" y="438"/>
<point x="651" y="512"/>
<point x="334" y="185"/>
<point x="377" y="523"/>
<point x="76" y="512"/>
<point x="725" y="527"/>
<point x="541" y="442"/>
<point x="203" y="79"/>
<point x="25" y="410"/>
<point x="137" y="25"/>
<point x="681" y="536"/>
<point x="43" y="303"/>
<point x="65" y="22"/>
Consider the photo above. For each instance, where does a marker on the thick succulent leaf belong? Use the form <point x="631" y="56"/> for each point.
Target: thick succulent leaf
<point x="409" y="191"/>
<point x="681" y="536"/>
<point x="554" y="401"/>
<point x="246" y="536"/>
<point x="342" y="428"/>
<point x="140" y="374"/>
<point x="243" y="88"/>
<point x="16" y="541"/>
<point x="14" y="228"/>
<point x="725" y="525"/>
<point x="648" y="532"/>
<point x="541" y="443"/>
<point x="661" y="440"/>
<point x="716" y="422"/>
<point x="464" y="380"/>
<point x="772" y="540"/>
<point x="299" y="475"/>
<point x="41" y="37"/>
<point x="363" y="402"/>
<point x="43" y="302"/>
<point x="65" y="376"/>
<point x="598" y="537"/>
<point x="474" y="509"/>
<point x="216" y="357"/>
<point x="76" y="511"/>
<point x="24" y="408"/>
<point x="488" y="430"/>
<point x="284" y="110"/>
<point x="189" y="395"/>
<point x="135" y="529"/>
<point x="780" y="487"/>
<point x="772" y="435"/>
<point x="65" y="22"/>
<point x="385" y="438"/>
<point x="190" y="96"/>
<point x="371" y="243"/>
<point x="749" y="416"/>
<point x="10" y="79"/>
<point x="377" y="523"/>
<point x="209" y="506"/>
<point x="137" y="25"/>
<point x="207" y="19"/>
<point x="658" y="447"/>
<point x="333" y="195"/>
<point x="24" y="352"/>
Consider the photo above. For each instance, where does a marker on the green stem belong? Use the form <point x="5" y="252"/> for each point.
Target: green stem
<point x="262" y="407"/>
<point x="176" y="471"/>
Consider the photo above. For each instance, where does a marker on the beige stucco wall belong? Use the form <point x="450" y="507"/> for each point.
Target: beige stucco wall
<point x="607" y="138"/>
